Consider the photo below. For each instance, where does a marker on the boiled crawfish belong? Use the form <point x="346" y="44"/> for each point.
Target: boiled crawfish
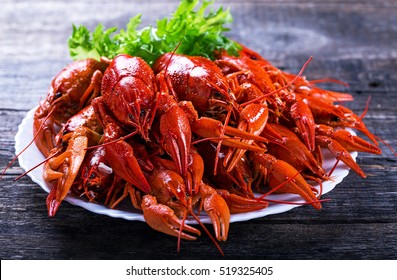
<point x="63" y="165"/>
<point x="71" y="90"/>
<point x="190" y="134"/>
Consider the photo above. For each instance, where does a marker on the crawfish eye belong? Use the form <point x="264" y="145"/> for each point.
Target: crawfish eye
<point x="142" y="113"/>
<point x="217" y="95"/>
<point x="130" y="116"/>
<point x="174" y="198"/>
<point x="58" y="94"/>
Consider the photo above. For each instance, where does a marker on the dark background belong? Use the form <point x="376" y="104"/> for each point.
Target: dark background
<point x="354" y="41"/>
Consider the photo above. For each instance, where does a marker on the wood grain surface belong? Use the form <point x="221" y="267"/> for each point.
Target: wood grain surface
<point x="354" y="41"/>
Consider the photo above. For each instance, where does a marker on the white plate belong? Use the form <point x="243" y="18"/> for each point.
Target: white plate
<point x="32" y="156"/>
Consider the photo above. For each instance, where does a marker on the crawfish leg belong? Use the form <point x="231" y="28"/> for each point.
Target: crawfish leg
<point x="93" y="89"/>
<point x="253" y="119"/>
<point x="44" y="132"/>
<point x="240" y="204"/>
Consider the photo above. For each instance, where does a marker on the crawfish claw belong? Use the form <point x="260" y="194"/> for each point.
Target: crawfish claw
<point x="218" y="211"/>
<point x="52" y="203"/>
<point x="64" y="169"/>
<point x="287" y="179"/>
<point x="304" y="120"/>
<point x="162" y="218"/>
<point x="340" y="153"/>
<point x="175" y="128"/>
<point x="355" y="143"/>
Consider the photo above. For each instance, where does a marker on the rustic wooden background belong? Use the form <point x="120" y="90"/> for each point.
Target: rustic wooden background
<point x="354" y="41"/>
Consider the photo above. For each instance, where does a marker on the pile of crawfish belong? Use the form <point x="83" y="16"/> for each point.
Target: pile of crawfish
<point x="190" y="134"/>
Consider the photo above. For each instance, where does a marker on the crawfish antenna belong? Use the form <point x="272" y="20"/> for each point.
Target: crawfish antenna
<point x="208" y="233"/>
<point x="178" y="247"/>
<point x="366" y="108"/>
<point x="27" y="146"/>
<point x="329" y="80"/>
<point x="34" y="167"/>
<point x="386" y="144"/>
<point x="376" y="137"/>
<point x="165" y="67"/>
<point x="218" y="148"/>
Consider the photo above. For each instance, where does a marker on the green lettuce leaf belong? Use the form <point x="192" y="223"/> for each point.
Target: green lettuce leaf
<point x="189" y="30"/>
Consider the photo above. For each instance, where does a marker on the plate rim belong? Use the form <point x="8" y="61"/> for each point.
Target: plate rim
<point x="25" y="134"/>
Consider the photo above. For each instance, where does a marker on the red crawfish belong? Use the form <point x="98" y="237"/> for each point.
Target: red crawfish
<point x="131" y="101"/>
<point x="71" y="90"/>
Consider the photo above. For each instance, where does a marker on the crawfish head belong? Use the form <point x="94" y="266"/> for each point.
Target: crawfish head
<point x="96" y="173"/>
<point x="169" y="189"/>
<point x="195" y="79"/>
<point x="87" y="118"/>
<point x="69" y="89"/>
<point x="129" y="92"/>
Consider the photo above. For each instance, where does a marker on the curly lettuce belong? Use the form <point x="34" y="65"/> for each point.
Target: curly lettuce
<point x="189" y="30"/>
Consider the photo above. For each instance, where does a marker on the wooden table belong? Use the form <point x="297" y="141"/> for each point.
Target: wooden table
<point x="354" y="41"/>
